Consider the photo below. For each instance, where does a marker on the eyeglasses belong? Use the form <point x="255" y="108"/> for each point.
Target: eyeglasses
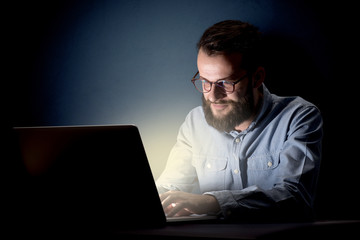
<point x="204" y="86"/>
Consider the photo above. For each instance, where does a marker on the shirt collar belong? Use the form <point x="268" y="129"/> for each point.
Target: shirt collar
<point x="265" y="104"/>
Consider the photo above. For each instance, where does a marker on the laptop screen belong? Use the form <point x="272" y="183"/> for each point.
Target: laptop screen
<point x="97" y="175"/>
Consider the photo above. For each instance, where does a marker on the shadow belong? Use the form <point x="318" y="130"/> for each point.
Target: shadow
<point x="292" y="70"/>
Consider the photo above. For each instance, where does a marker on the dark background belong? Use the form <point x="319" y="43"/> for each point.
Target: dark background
<point x="119" y="62"/>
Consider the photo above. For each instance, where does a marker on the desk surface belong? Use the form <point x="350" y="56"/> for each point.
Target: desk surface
<point x="336" y="229"/>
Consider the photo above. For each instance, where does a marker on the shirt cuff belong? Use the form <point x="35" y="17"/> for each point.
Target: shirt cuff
<point x="225" y="200"/>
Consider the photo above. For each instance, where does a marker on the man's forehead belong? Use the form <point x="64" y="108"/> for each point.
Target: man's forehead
<point x="219" y="66"/>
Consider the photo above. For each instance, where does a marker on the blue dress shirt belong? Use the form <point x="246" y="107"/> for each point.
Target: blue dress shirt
<point x="272" y="165"/>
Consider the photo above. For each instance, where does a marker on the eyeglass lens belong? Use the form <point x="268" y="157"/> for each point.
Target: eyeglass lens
<point x="205" y="86"/>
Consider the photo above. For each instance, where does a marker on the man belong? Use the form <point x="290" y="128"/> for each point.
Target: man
<point x="246" y="153"/>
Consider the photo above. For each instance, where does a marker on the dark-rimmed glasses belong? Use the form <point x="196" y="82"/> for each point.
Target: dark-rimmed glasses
<point x="204" y="86"/>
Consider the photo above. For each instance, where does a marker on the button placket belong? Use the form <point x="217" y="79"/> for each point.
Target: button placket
<point x="236" y="163"/>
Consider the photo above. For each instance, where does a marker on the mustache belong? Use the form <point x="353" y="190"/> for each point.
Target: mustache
<point x="220" y="102"/>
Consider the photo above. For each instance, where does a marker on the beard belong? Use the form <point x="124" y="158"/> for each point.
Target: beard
<point x="241" y="111"/>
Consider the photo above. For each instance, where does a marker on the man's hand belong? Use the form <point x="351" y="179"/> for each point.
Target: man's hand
<point x="176" y="203"/>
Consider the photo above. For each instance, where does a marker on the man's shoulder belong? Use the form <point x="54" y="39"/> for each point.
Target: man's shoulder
<point x="295" y="108"/>
<point x="292" y="102"/>
<point x="196" y="111"/>
<point x="196" y="118"/>
<point x="195" y="114"/>
<point x="295" y="103"/>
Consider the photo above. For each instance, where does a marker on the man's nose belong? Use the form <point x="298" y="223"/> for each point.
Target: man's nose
<point x="216" y="93"/>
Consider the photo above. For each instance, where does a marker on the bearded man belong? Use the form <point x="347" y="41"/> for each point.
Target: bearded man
<point x="245" y="153"/>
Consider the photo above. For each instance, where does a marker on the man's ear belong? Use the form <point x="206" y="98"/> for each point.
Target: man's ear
<point x="258" y="77"/>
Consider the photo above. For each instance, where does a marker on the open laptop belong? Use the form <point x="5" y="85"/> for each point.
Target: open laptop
<point x="89" y="176"/>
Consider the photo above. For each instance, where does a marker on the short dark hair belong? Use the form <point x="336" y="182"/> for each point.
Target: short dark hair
<point x="233" y="36"/>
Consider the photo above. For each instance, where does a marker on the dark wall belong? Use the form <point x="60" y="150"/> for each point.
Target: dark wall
<point x="115" y="62"/>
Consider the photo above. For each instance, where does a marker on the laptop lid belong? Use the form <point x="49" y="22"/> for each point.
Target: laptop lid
<point x="83" y="176"/>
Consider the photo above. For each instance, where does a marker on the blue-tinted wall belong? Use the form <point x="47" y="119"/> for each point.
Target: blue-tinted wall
<point x="119" y="62"/>
<point x="98" y="62"/>
<point x="114" y="62"/>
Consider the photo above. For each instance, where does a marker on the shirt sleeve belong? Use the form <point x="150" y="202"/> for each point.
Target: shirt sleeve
<point x="179" y="173"/>
<point x="292" y="196"/>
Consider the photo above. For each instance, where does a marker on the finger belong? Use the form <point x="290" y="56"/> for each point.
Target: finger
<point x="162" y="196"/>
<point x="168" y="210"/>
<point x="183" y="212"/>
<point x="168" y="201"/>
<point x="176" y="208"/>
<point x="166" y="194"/>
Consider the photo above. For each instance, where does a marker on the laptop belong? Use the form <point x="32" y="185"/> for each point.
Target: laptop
<point x="81" y="176"/>
<point x="88" y="176"/>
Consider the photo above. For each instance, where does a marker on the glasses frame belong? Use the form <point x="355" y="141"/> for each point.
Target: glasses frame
<point x="216" y="83"/>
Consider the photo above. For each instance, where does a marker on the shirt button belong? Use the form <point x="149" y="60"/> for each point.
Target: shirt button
<point x="269" y="164"/>
<point x="208" y="165"/>
<point x="237" y="140"/>
<point x="236" y="171"/>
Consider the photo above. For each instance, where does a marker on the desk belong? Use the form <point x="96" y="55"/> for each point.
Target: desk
<point x="333" y="229"/>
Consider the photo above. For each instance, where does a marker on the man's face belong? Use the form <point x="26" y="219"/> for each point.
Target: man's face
<point x="223" y="110"/>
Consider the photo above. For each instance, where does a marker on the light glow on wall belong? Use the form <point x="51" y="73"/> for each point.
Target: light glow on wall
<point x="125" y="62"/>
